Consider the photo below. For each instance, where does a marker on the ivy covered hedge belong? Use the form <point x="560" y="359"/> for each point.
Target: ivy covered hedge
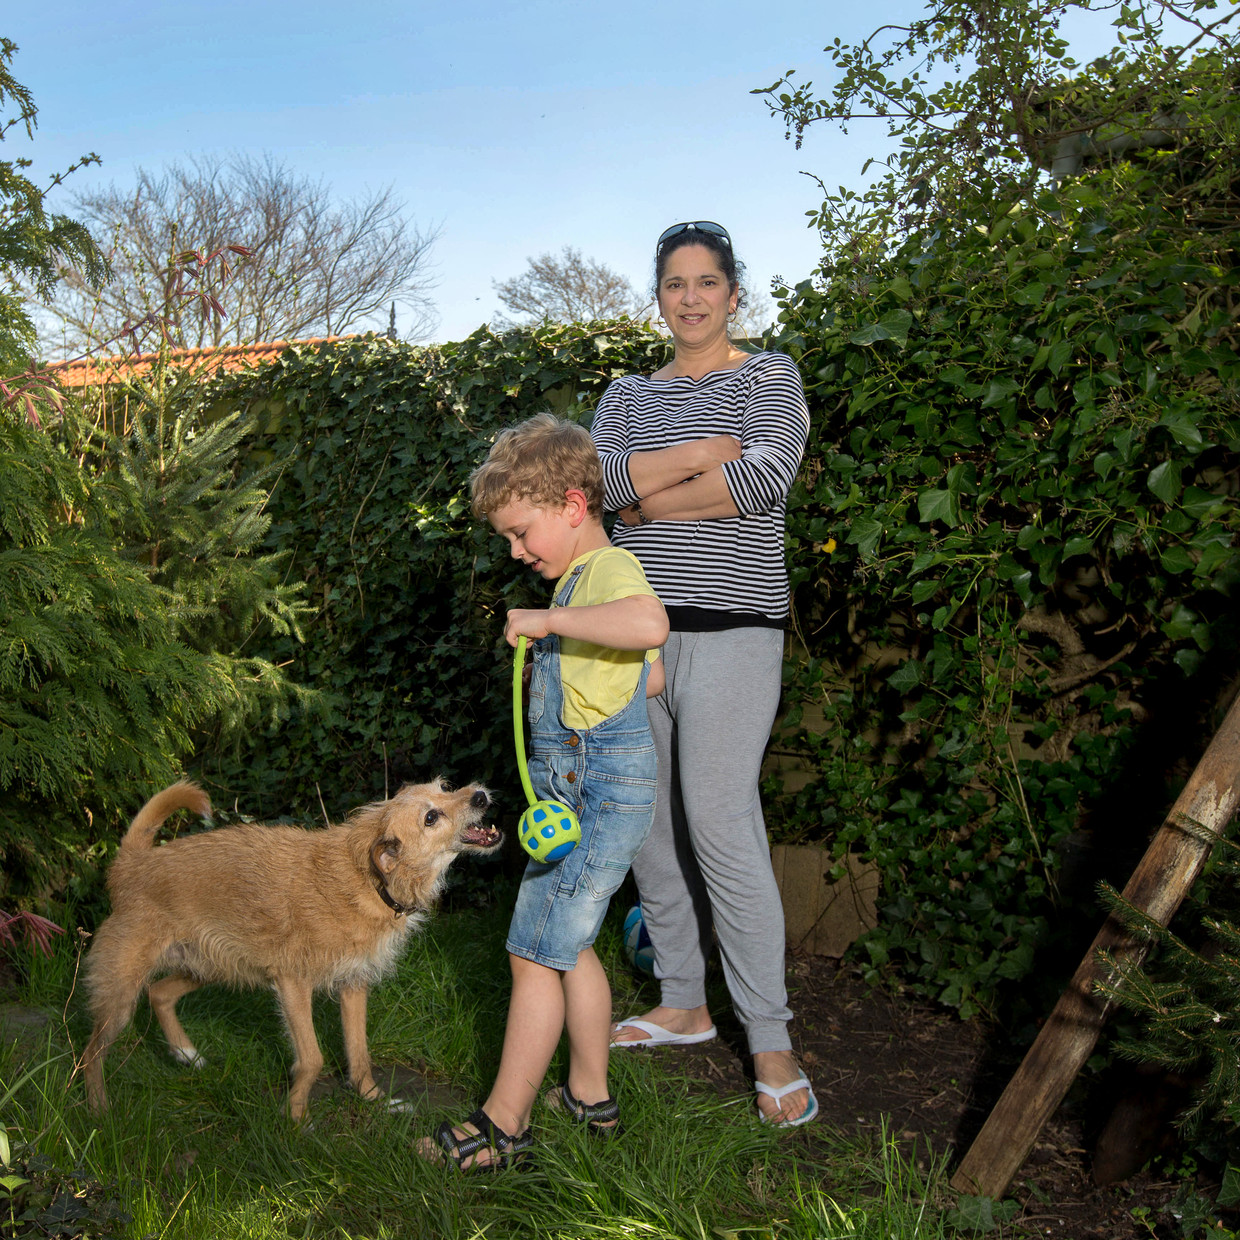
<point x="376" y="441"/>
<point x="1015" y="554"/>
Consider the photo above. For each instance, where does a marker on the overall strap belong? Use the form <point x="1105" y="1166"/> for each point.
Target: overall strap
<point x="547" y="658"/>
<point x="566" y="590"/>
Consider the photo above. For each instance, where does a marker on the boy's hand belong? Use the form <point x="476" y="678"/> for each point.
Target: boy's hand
<point x="528" y="622"/>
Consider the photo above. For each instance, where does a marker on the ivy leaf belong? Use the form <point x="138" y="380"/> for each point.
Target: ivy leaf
<point x="997" y="391"/>
<point x="1188" y="661"/>
<point x="1164" y="481"/>
<point x="901" y="288"/>
<point x="1030" y="295"/>
<point x="1176" y="560"/>
<point x="1201" y="503"/>
<point x="864" y="534"/>
<point x="1229" y="1192"/>
<point x="938" y="505"/>
<point x="894" y="325"/>
<point x="1022" y="584"/>
<point x="870" y="334"/>
<point x="922" y="419"/>
<point x="1183" y="429"/>
<point x="906" y="677"/>
<point x="1214" y="557"/>
<point x="1060" y="355"/>
<point x="922" y="590"/>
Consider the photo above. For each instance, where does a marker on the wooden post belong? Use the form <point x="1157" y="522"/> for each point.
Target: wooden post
<point x="1170" y="866"/>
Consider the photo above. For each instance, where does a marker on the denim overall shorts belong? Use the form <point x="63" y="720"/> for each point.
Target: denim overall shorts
<point x="607" y="776"/>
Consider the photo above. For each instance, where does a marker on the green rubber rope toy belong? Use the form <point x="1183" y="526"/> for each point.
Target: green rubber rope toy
<point x="548" y="830"/>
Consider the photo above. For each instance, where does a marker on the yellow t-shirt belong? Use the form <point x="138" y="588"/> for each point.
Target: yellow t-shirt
<point x="597" y="680"/>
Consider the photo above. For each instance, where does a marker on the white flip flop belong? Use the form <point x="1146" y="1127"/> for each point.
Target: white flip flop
<point x="658" y="1036"/>
<point x="811" y="1107"/>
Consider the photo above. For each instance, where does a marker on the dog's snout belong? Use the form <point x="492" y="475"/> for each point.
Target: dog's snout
<point x="480" y="799"/>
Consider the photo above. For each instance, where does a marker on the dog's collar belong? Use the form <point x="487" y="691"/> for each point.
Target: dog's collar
<point x="400" y="910"/>
<point x="386" y="896"/>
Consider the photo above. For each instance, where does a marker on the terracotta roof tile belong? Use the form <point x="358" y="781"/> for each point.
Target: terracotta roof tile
<point x="100" y="371"/>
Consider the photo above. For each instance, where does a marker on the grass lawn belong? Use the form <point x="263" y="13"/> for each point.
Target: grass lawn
<point x="209" y="1154"/>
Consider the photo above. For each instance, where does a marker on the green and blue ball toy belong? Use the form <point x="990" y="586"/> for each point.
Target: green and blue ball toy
<point x="548" y="830"/>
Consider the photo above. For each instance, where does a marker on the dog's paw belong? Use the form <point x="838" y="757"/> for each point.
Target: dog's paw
<point x="398" y="1106"/>
<point x="187" y="1056"/>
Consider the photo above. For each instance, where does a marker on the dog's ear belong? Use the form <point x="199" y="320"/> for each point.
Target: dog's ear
<point x="384" y="853"/>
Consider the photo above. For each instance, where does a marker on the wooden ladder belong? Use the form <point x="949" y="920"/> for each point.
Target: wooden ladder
<point x="1169" y="868"/>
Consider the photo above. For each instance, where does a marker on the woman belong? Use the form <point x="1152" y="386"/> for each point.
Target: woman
<point x="698" y="460"/>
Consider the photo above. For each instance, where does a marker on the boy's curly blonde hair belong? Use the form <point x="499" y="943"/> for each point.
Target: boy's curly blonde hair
<point x="537" y="461"/>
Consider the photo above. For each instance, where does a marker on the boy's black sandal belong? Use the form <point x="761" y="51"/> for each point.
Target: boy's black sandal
<point x="505" y="1150"/>
<point x="602" y="1119"/>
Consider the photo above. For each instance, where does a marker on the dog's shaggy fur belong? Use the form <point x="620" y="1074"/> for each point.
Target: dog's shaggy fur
<point x="273" y="906"/>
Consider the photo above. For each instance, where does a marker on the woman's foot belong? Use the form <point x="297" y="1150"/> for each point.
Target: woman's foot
<point x="689" y="1023"/>
<point x="777" y="1069"/>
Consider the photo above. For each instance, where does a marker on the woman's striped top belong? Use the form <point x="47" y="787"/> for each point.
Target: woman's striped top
<point x="724" y="565"/>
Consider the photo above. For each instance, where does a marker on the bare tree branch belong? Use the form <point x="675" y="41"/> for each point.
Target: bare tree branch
<point x="567" y="289"/>
<point x="318" y="267"/>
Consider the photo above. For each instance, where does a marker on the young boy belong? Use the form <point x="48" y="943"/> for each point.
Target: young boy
<point x="595" y="662"/>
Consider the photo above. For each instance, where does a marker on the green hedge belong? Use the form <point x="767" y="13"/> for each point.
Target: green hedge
<point x="1014" y="548"/>
<point x="379" y="440"/>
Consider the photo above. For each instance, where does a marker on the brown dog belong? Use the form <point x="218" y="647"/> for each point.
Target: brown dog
<point x="273" y="906"/>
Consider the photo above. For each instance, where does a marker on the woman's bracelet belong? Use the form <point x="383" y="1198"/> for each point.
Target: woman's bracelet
<point x="642" y="519"/>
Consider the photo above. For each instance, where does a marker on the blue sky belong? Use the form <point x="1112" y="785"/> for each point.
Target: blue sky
<point x="515" y="129"/>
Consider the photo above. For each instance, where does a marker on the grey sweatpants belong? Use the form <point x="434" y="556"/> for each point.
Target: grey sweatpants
<point x="707" y="860"/>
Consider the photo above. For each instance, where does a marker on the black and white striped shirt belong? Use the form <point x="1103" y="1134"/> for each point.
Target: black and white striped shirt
<point x="724" y="565"/>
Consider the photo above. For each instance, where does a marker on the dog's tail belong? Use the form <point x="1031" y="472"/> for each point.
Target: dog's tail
<point x="150" y="817"/>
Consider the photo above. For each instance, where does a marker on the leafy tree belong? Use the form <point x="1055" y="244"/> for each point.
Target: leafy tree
<point x="567" y="288"/>
<point x="93" y="694"/>
<point x="312" y="267"/>
<point x="97" y="693"/>
<point x="127" y="596"/>
<point x="194" y="520"/>
<point x="1021" y="489"/>
<point x="132" y="582"/>
<point x="983" y="98"/>
<point x="36" y="247"/>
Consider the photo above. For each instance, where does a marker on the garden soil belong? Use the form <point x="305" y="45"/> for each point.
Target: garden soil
<point x="877" y="1059"/>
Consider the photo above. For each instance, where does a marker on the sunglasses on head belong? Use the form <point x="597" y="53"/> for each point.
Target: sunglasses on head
<point x="706" y="226"/>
